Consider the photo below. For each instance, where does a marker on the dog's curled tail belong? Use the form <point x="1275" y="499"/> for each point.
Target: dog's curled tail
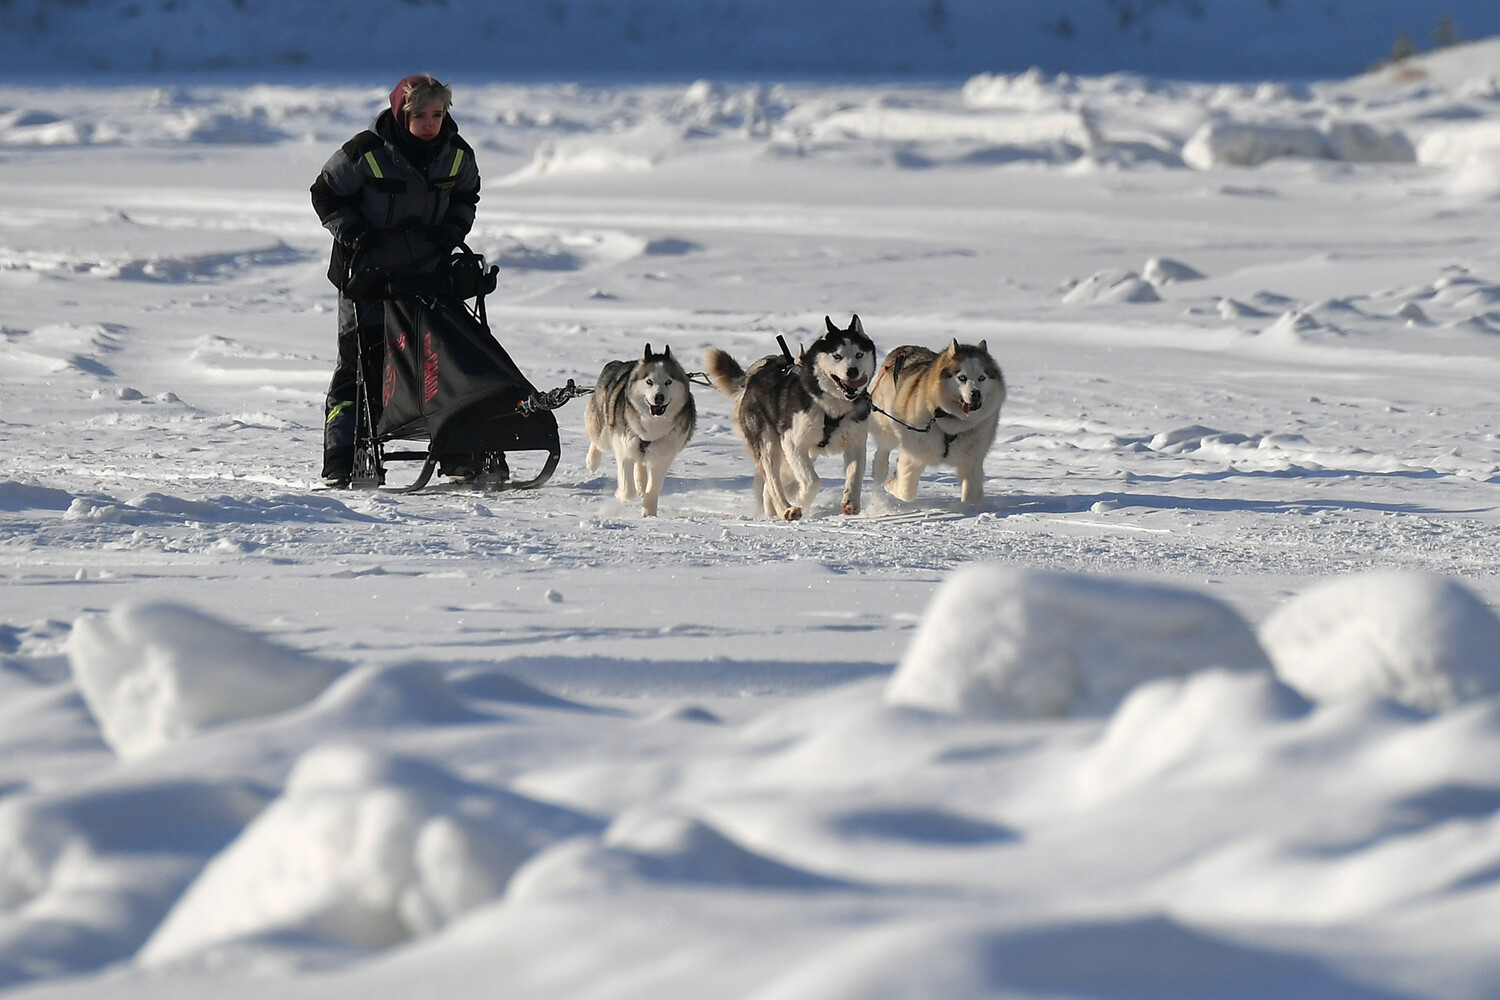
<point x="724" y="372"/>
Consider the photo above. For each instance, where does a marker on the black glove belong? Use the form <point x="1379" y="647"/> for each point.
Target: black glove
<point x="447" y="236"/>
<point x="353" y="235"/>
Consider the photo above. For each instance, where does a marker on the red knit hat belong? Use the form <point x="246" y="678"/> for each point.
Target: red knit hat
<point x="398" y="95"/>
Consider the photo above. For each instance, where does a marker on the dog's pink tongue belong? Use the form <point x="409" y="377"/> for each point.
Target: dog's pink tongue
<point x="857" y="383"/>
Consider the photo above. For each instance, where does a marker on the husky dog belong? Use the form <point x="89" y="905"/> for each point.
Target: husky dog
<point x="789" y="412"/>
<point x="643" y="411"/>
<point x="941" y="409"/>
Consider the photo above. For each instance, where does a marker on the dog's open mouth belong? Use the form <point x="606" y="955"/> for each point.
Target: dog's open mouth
<point x="657" y="409"/>
<point x="853" y="387"/>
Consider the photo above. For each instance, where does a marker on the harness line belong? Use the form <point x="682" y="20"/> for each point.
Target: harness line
<point x="554" y="398"/>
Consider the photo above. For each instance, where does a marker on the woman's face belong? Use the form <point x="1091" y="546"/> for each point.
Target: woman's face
<point x="425" y="122"/>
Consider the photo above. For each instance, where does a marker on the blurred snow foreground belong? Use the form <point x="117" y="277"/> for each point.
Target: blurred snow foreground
<point x="995" y="642"/>
<point x="363" y="848"/>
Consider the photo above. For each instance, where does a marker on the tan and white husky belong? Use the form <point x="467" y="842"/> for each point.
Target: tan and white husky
<point x="939" y="409"/>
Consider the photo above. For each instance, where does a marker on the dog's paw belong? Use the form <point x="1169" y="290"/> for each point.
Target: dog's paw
<point x="792" y="514"/>
<point x="894" y="488"/>
<point x="850" y="507"/>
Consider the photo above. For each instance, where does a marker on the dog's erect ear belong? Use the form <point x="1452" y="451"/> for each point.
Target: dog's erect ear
<point x="666" y="352"/>
<point x="647" y="355"/>
<point x="828" y="321"/>
<point x="953" y="346"/>
<point x="855" y="326"/>
<point x="984" y="347"/>
<point x="801" y="353"/>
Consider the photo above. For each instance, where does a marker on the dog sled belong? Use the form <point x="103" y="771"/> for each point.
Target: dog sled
<point x="448" y="382"/>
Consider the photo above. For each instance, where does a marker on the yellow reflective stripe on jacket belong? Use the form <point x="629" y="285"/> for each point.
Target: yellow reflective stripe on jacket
<point x="458" y="159"/>
<point x="374" y="167"/>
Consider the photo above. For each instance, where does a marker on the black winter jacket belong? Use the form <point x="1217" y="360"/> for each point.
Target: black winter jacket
<point x="376" y="183"/>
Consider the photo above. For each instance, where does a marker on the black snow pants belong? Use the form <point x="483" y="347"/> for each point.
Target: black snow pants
<point x="361" y="335"/>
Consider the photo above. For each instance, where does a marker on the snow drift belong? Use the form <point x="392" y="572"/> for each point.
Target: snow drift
<point x="1005" y="643"/>
<point x="156" y="673"/>
<point x="1242" y="144"/>
<point x="1414" y="638"/>
<point x="361" y="850"/>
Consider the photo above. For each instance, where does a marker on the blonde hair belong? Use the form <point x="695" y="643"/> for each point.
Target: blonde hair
<point x="424" y="91"/>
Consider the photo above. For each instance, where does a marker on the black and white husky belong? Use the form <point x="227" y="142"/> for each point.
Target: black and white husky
<point x="790" y="412"/>
<point x="642" y="411"/>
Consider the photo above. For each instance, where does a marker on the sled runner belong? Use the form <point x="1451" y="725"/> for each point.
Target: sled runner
<point x="447" y="381"/>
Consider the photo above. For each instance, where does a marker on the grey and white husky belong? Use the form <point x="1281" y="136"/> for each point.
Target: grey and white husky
<point x="788" y="413"/>
<point x="939" y="408"/>
<point x="642" y="411"/>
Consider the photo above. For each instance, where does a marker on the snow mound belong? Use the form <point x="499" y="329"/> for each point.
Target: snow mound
<point x="362" y="850"/>
<point x="493" y="686"/>
<point x="153" y="674"/>
<point x="1235" y="309"/>
<point x="1111" y="286"/>
<point x="1165" y="271"/>
<point x="1225" y="445"/>
<point x="39" y="128"/>
<point x="1185" y="722"/>
<point x="1461" y="143"/>
<point x="1297" y="326"/>
<point x="1239" y="144"/>
<point x="212" y="128"/>
<point x="1469" y="149"/>
<point x="1004" y="643"/>
<point x="76" y="830"/>
<point x="86" y="873"/>
<point x="671" y="846"/>
<point x="1036" y="131"/>
<point x="1415" y="638"/>
<point x="553" y="160"/>
<point x="1032" y="90"/>
<point x="388" y="695"/>
<point x="657" y="844"/>
<point x="16" y="496"/>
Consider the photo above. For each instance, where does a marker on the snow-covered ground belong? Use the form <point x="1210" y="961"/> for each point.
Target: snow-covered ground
<point x="1202" y="701"/>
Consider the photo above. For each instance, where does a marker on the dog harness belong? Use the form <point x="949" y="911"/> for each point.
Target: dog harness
<point x="948" y="439"/>
<point x="899" y="357"/>
<point x="859" y="411"/>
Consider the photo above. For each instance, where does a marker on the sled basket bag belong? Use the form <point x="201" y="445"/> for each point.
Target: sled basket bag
<point x="447" y="380"/>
